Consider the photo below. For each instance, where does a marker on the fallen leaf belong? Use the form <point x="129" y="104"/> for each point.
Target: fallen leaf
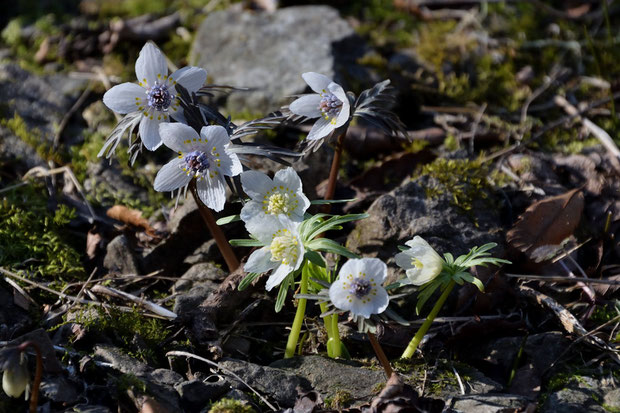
<point x="546" y="223"/>
<point x="93" y="241"/>
<point x="131" y="217"/>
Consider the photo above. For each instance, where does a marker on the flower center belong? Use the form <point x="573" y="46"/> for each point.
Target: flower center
<point x="360" y="287"/>
<point x="196" y="162"/>
<point x="159" y="98"/>
<point x="283" y="247"/>
<point x="417" y="263"/>
<point x="330" y="105"/>
<point x="278" y="204"/>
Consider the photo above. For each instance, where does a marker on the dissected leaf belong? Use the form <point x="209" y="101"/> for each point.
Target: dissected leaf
<point x="131" y="217"/>
<point x="546" y="223"/>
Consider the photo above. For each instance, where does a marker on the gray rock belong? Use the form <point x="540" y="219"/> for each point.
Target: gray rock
<point x="166" y="376"/>
<point x="268" y="52"/>
<point x="612" y="399"/>
<point x="488" y="403"/>
<point x="205" y="252"/>
<point x="399" y="215"/>
<point x="164" y="393"/>
<point x="59" y="389"/>
<point x="41" y="102"/>
<point x="195" y="394"/>
<point x="580" y="395"/>
<point x="276" y="383"/>
<point x="119" y="257"/>
<point x="329" y="377"/>
<point x="195" y="286"/>
<point x="83" y="408"/>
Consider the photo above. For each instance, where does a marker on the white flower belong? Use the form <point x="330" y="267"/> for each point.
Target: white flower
<point x="206" y="157"/>
<point x="283" y="251"/>
<point x="270" y="198"/>
<point x="330" y="104"/>
<point x="421" y="261"/>
<point x="16" y="378"/>
<point x="155" y="93"/>
<point x="358" y="288"/>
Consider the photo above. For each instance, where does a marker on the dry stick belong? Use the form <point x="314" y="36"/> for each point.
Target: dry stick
<point x="380" y="354"/>
<point x="222" y="243"/>
<point x="34" y="397"/>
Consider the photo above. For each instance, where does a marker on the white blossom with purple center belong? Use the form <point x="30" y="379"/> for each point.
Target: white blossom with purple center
<point x="330" y="104"/>
<point x="359" y="289"/>
<point x="206" y="157"/>
<point x="282" y="251"/>
<point x="155" y="95"/>
<point x="270" y="198"/>
<point x="420" y="262"/>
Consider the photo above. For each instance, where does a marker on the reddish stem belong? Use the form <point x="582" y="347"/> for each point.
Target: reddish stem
<point x="34" y="396"/>
<point x="222" y="243"/>
<point x="333" y="173"/>
<point x="380" y="354"/>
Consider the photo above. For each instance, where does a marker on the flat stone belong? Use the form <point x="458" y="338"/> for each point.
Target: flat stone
<point x="268" y="52"/>
<point x="276" y="383"/>
<point x="328" y="376"/>
<point x="488" y="403"/>
<point x="119" y="257"/>
<point x="196" y="394"/>
<point x="580" y="395"/>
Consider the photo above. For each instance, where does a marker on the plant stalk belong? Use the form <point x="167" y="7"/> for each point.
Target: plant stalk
<point x="222" y="243"/>
<point x="333" y="172"/>
<point x="380" y="354"/>
<point x="415" y="341"/>
<point x="293" y="336"/>
<point x="38" y="375"/>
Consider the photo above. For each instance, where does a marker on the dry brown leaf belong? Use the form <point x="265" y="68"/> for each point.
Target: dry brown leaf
<point x="546" y="223"/>
<point x="131" y="217"/>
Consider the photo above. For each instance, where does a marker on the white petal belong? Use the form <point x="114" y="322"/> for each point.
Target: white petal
<point x="321" y="128"/>
<point x="339" y="92"/>
<point x="216" y="136"/>
<point x="150" y="64"/>
<point x="288" y="178"/>
<point x="256" y="184"/>
<point x="278" y="276"/>
<point x="212" y="192"/>
<point x="171" y="176"/>
<point x="317" y="81"/>
<point x="263" y="227"/>
<point x="230" y="165"/>
<point x="149" y="132"/>
<point x="174" y="136"/>
<point x="418" y="241"/>
<point x="252" y="210"/>
<point x="403" y="260"/>
<point x="177" y="114"/>
<point x="307" y="106"/>
<point x="374" y="267"/>
<point x="190" y="77"/>
<point x="122" y="98"/>
<point x="260" y="261"/>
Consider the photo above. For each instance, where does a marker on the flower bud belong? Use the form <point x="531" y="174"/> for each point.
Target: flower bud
<point x="16" y="378"/>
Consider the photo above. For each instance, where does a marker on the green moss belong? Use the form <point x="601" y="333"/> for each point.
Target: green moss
<point x="125" y="329"/>
<point x="339" y="400"/>
<point x="34" y="238"/>
<point x="463" y="180"/>
<point x="381" y="22"/>
<point x="177" y="49"/>
<point x="130" y="382"/>
<point x="451" y="143"/>
<point x="11" y="34"/>
<point x="230" y="406"/>
<point x="33" y="137"/>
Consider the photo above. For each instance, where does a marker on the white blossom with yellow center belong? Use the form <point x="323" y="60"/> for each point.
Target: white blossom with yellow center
<point x="359" y="289"/>
<point x="282" y="251"/>
<point x="329" y="104"/>
<point x="207" y="157"/>
<point x="270" y="198"/>
<point x="155" y="95"/>
<point x="420" y="262"/>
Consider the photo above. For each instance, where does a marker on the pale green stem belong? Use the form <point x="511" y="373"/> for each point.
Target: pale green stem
<point x="415" y="341"/>
<point x="293" y="336"/>
<point x="336" y="336"/>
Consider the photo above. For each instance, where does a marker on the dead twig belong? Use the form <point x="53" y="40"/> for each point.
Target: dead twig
<point x="113" y="292"/>
<point x="559" y="278"/>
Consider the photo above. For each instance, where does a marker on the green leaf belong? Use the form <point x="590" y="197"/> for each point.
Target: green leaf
<point x="315" y="258"/>
<point x="245" y="242"/>
<point x="425" y="293"/>
<point x="327" y="245"/>
<point x="331" y="201"/>
<point x="333" y="223"/>
<point x="228" y="219"/>
<point x="282" y="292"/>
<point x="247" y="280"/>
